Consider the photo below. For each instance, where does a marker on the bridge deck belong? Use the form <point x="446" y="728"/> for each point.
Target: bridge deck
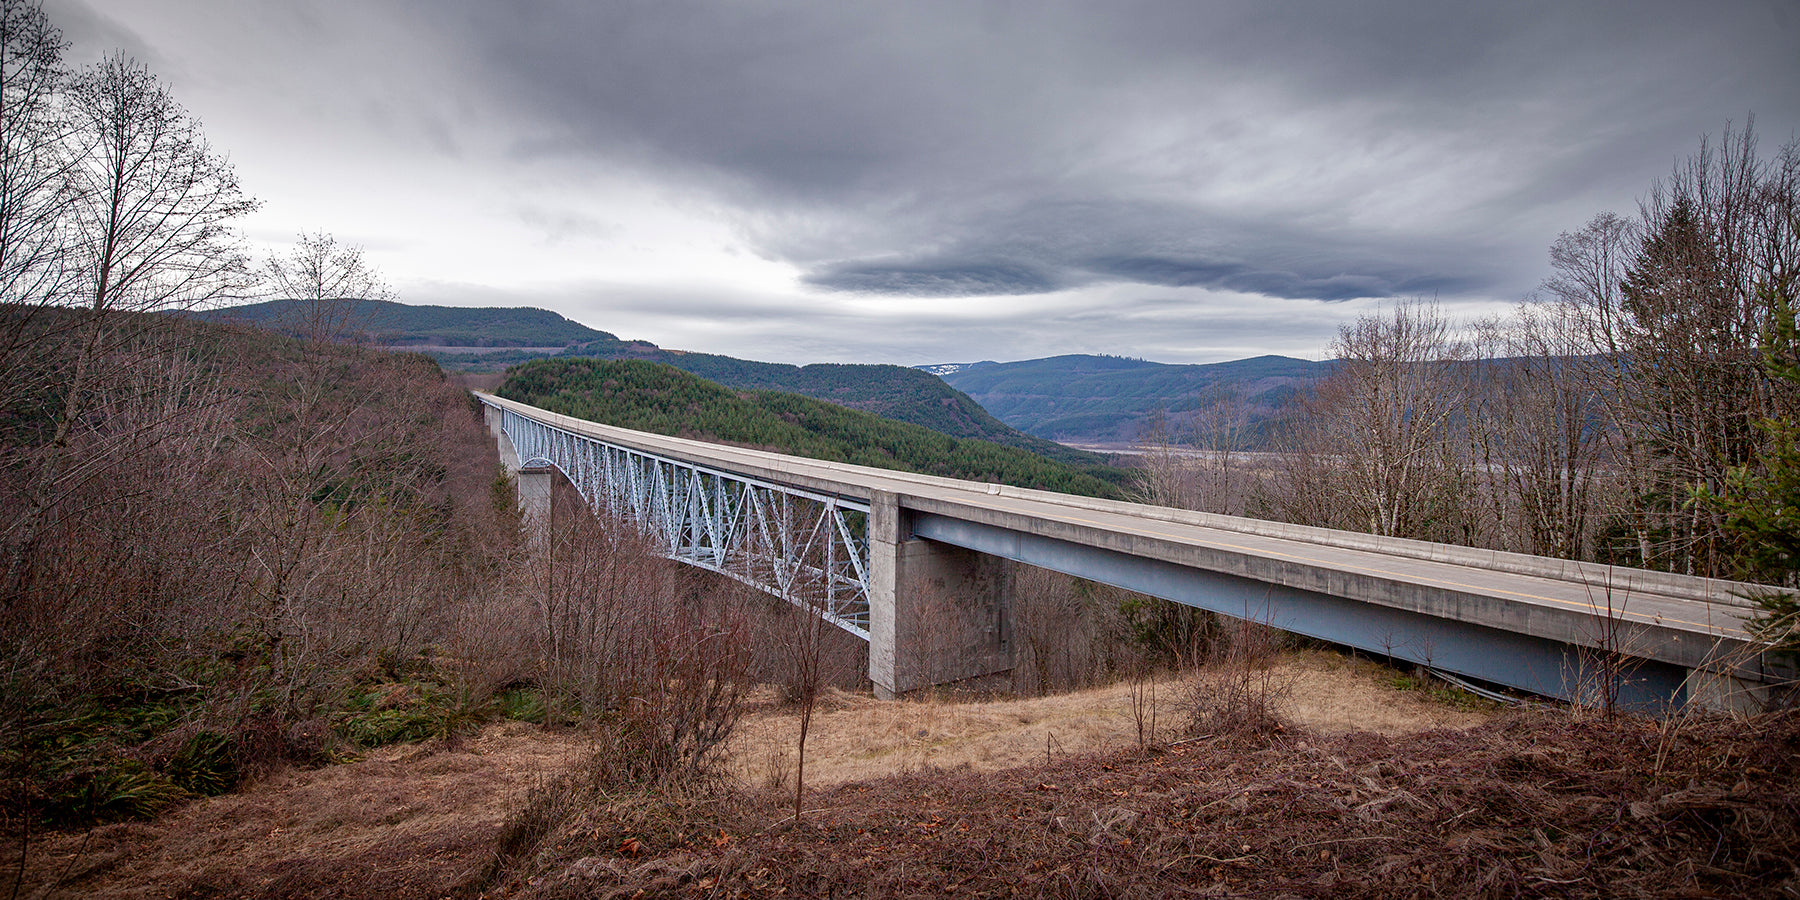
<point x="1677" y="619"/>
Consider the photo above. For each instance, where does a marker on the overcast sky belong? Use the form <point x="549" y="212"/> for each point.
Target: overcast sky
<point x="916" y="182"/>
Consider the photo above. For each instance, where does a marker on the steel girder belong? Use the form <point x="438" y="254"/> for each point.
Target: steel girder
<point x="807" y="548"/>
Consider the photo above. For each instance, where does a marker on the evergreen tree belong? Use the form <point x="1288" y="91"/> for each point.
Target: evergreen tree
<point x="1761" y="503"/>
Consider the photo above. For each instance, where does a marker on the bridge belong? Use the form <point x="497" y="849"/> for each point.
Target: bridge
<point x="914" y="565"/>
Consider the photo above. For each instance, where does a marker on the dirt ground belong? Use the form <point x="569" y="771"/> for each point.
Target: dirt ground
<point x="1540" y="802"/>
<point x="421" y="820"/>
<point x="415" y="820"/>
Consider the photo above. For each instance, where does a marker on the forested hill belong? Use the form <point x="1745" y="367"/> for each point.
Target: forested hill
<point x="892" y="392"/>
<point x="659" y="398"/>
<point x="1109" y="399"/>
<point x="404" y="325"/>
<point x="488" y="339"/>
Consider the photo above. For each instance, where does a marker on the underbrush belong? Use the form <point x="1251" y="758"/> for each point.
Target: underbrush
<point x="1537" y="803"/>
<point x="105" y="759"/>
<point x="225" y="551"/>
<point x="97" y="760"/>
<point x="628" y="799"/>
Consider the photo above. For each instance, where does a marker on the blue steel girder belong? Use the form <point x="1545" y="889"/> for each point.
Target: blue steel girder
<point x="1548" y="667"/>
<point x="808" y="548"/>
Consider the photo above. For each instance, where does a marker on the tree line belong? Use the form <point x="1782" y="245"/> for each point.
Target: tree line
<point x="663" y="399"/>
<point x="1636" y="410"/>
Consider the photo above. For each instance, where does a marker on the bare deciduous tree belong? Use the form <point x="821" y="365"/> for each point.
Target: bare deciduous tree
<point x="151" y="208"/>
<point x="1165" y="464"/>
<point x="1385" y="416"/>
<point x="1670" y="310"/>
<point x="157" y="202"/>
<point x="36" y="271"/>
<point x="1587" y="302"/>
<point x="326" y="282"/>
<point x="35" y="162"/>
<point x="1196" y="463"/>
<point x="1537" y="432"/>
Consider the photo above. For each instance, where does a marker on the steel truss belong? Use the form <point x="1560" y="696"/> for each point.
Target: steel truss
<point x="807" y="548"/>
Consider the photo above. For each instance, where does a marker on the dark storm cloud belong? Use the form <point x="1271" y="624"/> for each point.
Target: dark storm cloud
<point x="881" y="145"/>
<point x="934" y="278"/>
<point x="1319" y="284"/>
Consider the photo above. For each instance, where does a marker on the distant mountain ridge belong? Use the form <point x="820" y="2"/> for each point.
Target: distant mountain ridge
<point x="392" y="324"/>
<point x="893" y="392"/>
<point x="1111" y="399"/>
<point x="491" y="338"/>
<point x="1029" y="404"/>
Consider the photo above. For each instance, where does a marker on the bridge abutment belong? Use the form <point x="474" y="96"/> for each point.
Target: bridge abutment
<point x="937" y="613"/>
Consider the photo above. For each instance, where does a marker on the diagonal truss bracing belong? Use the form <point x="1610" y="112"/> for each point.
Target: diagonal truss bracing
<point x="808" y="548"/>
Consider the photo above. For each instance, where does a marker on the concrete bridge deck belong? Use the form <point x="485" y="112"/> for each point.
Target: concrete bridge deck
<point x="1530" y="622"/>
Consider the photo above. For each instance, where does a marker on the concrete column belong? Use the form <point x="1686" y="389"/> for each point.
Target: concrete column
<point x="509" y="457"/>
<point x="534" y="484"/>
<point x="491" y="416"/>
<point x="937" y="613"/>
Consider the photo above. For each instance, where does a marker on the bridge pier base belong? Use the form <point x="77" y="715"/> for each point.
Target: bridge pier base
<point x="532" y="485"/>
<point x="937" y="613"/>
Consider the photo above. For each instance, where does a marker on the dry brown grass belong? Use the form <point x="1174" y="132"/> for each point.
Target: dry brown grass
<point x="422" y="820"/>
<point x="855" y="738"/>
<point x="1536" y="803"/>
<point x="416" y="820"/>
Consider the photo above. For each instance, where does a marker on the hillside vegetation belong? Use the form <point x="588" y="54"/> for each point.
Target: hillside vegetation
<point x="218" y="542"/>
<point x="658" y="398"/>
<point x="392" y="324"/>
<point x="227" y="550"/>
<point x="892" y="392"/>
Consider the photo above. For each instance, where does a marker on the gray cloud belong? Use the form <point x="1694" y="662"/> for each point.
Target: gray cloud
<point x="921" y="127"/>
<point x="934" y="278"/>
<point x="1145" y="157"/>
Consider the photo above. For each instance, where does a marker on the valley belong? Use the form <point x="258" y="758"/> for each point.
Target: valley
<point x="285" y="613"/>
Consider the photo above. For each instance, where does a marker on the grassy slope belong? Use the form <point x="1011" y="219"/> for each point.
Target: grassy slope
<point x="1103" y="398"/>
<point x="659" y="398"/>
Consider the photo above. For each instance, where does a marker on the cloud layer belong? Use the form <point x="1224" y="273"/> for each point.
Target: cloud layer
<point x="839" y="170"/>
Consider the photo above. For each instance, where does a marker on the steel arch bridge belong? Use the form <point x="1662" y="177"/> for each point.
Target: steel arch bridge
<point x="919" y="567"/>
<point x="808" y="548"/>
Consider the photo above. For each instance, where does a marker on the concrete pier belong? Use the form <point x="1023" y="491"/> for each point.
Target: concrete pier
<point x="531" y="484"/>
<point x="938" y="614"/>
